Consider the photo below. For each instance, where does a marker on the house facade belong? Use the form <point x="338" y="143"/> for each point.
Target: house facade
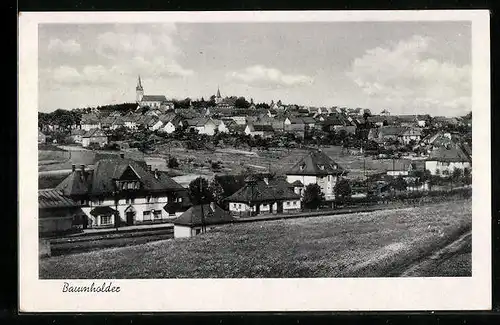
<point x="56" y="213"/>
<point x="96" y="136"/>
<point x="42" y="138"/>
<point x="316" y="168"/>
<point x="442" y="161"/>
<point x="263" y="195"/>
<point x="121" y="192"/>
<point x="190" y="223"/>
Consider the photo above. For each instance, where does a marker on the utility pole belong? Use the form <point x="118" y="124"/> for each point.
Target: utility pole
<point x="201" y="206"/>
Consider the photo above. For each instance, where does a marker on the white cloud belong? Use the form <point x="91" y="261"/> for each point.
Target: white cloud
<point x="68" y="47"/>
<point x="64" y="74"/>
<point x="403" y="76"/>
<point x="121" y="42"/>
<point x="263" y="77"/>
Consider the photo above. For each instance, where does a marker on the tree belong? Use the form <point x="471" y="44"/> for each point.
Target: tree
<point x="456" y="175"/>
<point x="313" y="196"/>
<point x="172" y="162"/>
<point x="398" y="183"/>
<point x="217" y="191"/>
<point x="343" y="189"/>
<point x="241" y="102"/>
<point x="199" y="191"/>
<point x="467" y="176"/>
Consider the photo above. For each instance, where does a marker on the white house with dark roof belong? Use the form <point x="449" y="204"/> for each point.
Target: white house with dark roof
<point x="190" y="223"/>
<point x="316" y="168"/>
<point x="96" y="136"/>
<point x="443" y="160"/>
<point x="263" y="195"/>
<point x="124" y="192"/>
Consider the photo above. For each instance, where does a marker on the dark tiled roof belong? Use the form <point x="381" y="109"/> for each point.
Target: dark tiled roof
<point x="263" y="128"/>
<point x="100" y="180"/>
<point x="316" y="163"/>
<point x="104" y="210"/>
<point x="53" y="198"/>
<point x="157" y="98"/>
<point x="259" y="191"/>
<point x="213" y="215"/>
<point x="108" y="169"/>
<point x="77" y="183"/>
<point x="450" y="153"/>
<point x="94" y="133"/>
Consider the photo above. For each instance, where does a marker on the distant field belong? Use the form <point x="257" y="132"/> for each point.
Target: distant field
<point x="275" y="159"/>
<point x="376" y="244"/>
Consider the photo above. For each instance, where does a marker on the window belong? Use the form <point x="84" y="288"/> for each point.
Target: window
<point x="100" y="201"/>
<point x="146" y="215"/>
<point x="130" y="201"/>
<point x="155" y="199"/>
<point x="294" y="202"/>
<point x="105" y="220"/>
<point x="179" y="199"/>
<point x="322" y="167"/>
<point x="239" y="206"/>
<point x="197" y="231"/>
<point x="83" y="202"/>
<point x="148" y="199"/>
<point x="157" y="214"/>
<point x="288" y="203"/>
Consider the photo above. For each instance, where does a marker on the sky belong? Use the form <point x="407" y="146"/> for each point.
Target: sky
<point x="404" y="67"/>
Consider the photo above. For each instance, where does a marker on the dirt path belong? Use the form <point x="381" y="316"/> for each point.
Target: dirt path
<point x="457" y="253"/>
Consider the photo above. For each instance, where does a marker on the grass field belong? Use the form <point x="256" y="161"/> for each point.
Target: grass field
<point x="376" y="244"/>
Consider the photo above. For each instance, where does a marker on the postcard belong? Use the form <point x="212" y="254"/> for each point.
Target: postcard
<point x="254" y="161"/>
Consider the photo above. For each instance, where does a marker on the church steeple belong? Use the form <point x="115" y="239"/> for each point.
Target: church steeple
<point x="139" y="91"/>
<point x="139" y="84"/>
<point x="218" y="93"/>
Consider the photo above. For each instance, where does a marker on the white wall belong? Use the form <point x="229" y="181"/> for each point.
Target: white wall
<point x="182" y="231"/>
<point x="327" y="183"/>
<point x="168" y="128"/>
<point x="222" y="128"/>
<point x="238" y="207"/>
<point x="140" y="205"/>
<point x="433" y="166"/>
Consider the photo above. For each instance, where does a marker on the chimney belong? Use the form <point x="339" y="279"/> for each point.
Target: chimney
<point x="212" y="206"/>
<point x="156" y="173"/>
<point x="122" y="155"/>
<point x="73" y="167"/>
<point x="150" y="167"/>
<point x="266" y="180"/>
<point x="82" y="168"/>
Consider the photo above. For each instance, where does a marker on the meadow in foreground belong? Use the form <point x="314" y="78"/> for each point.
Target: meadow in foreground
<point x="375" y="244"/>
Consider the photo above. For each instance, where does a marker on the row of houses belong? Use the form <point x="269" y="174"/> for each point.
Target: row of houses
<point x="124" y="192"/>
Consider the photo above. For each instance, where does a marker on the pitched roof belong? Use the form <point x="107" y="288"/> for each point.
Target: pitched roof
<point x="154" y="98"/>
<point x="108" y="169"/>
<point x="100" y="180"/>
<point x="94" y="133"/>
<point x="213" y="214"/>
<point x="316" y="163"/>
<point x="77" y="183"/>
<point x="260" y="191"/>
<point x="450" y="153"/>
<point x="53" y="198"/>
<point x="103" y="210"/>
<point x="263" y="128"/>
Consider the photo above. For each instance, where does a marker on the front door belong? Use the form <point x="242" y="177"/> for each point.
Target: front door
<point x="130" y="218"/>
<point x="279" y="207"/>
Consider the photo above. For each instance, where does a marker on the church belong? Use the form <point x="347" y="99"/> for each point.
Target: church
<point x="151" y="101"/>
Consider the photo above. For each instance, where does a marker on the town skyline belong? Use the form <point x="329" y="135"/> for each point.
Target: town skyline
<point x="404" y="67"/>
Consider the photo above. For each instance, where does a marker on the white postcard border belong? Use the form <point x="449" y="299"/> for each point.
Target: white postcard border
<point x="335" y="294"/>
